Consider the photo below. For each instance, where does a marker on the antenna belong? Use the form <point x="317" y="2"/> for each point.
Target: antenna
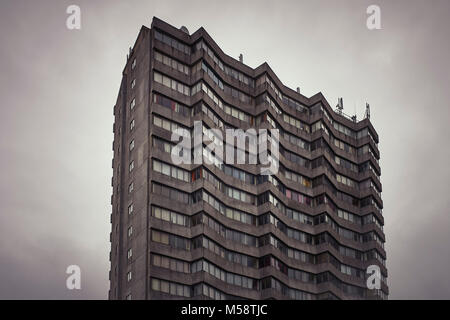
<point x="241" y="58"/>
<point x="340" y="105"/>
<point x="367" y="111"/>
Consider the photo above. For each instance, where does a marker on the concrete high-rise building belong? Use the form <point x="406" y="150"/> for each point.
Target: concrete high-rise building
<point x="194" y="231"/>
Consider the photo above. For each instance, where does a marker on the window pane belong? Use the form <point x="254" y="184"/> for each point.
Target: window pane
<point x="165" y="169"/>
<point x="158" y="77"/>
<point x="165" y="286"/>
<point x="166" y="81"/>
<point x="157" y="121"/>
<point x="155" y="284"/>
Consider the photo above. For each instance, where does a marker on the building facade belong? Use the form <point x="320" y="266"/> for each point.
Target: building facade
<point x="221" y="231"/>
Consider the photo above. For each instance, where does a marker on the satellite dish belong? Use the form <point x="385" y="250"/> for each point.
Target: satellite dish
<point x="184" y="29"/>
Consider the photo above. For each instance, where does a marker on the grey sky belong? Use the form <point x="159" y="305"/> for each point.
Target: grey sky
<point x="58" y="88"/>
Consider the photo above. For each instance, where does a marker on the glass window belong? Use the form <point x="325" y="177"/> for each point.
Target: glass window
<point x="166" y="169"/>
<point x="187" y="292"/>
<point x="158" y="77"/>
<point x="165" y="286"/>
<point x="166" y="125"/>
<point x="180" y="219"/>
<point x="165" y="262"/>
<point x="166" y="81"/>
<point x="173" y="289"/>
<point x="158" y="56"/>
<point x="131" y="166"/>
<point x="156" y="236"/>
<point x="157" y="260"/>
<point x="157" y="121"/>
<point x="157" y="212"/>
<point x="157" y="166"/>
<point x="237" y="280"/>
<point x="165" y="215"/>
<point x="165" y="238"/>
<point x="155" y="284"/>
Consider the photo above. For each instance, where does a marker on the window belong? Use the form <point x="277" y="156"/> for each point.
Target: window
<point x="158" y="77"/>
<point x="131" y="166"/>
<point x="157" y="260"/>
<point x="132" y="104"/>
<point x="171" y="63"/>
<point x="157" y="166"/>
<point x="132" y="124"/>
<point x="157" y="212"/>
<point x="168" y="170"/>
<point x="131" y="145"/>
<point x="156" y="284"/>
<point x="129" y="253"/>
<point x="130" y="209"/>
<point x="165" y="169"/>
<point x="130" y="187"/>
<point x="156" y="236"/>
<point x="130" y="231"/>
<point x="165" y="215"/>
<point x="172" y="42"/>
<point x="164" y="238"/>
<point x="165" y="286"/>
<point x="128" y="297"/>
<point x="171" y="104"/>
<point x="133" y="83"/>
<point x="157" y="121"/>
<point x="129" y="276"/>
<point x="166" y="125"/>
<point x="166" y="82"/>
<point x="133" y="64"/>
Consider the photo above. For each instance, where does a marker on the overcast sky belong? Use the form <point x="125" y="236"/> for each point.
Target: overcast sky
<point x="58" y="88"/>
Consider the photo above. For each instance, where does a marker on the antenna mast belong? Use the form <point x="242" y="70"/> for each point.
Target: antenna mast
<point x="367" y="111"/>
